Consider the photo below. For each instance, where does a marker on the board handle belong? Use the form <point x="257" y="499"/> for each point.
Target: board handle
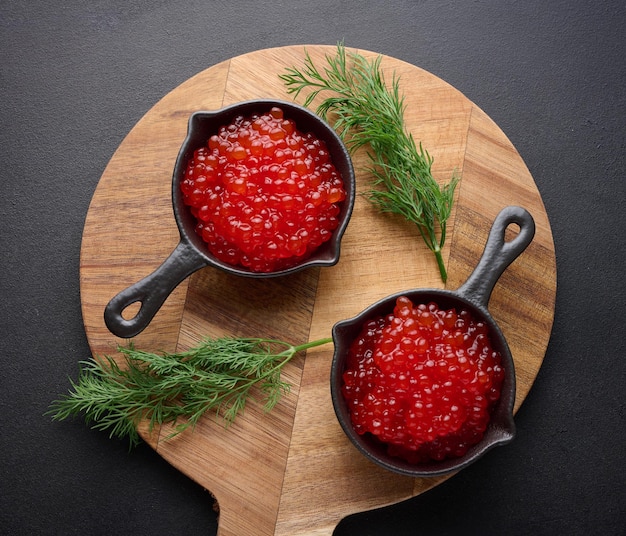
<point x="151" y="291"/>
<point x="498" y="253"/>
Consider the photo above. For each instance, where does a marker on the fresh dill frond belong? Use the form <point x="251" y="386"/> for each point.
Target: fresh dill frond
<point x="365" y="111"/>
<point x="178" y="388"/>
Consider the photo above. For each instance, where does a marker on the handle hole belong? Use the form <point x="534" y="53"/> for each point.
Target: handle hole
<point x="130" y="311"/>
<point x="511" y="232"/>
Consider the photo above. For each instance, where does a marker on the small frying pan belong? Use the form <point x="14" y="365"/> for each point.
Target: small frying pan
<point x="192" y="253"/>
<point x="474" y="296"/>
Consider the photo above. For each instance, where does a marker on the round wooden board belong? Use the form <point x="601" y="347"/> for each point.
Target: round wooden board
<point x="292" y="472"/>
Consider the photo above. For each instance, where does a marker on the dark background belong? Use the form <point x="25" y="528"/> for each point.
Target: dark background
<point x="77" y="75"/>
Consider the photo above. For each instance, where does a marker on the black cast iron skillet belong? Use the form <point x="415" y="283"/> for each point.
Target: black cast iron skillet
<point x="474" y="296"/>
<point x="191" y="254"/>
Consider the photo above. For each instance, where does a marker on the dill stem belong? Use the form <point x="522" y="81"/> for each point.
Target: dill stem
<point x="312" y="344"/>
<point x="285" y="356"/>
<point x="441" y="264"/>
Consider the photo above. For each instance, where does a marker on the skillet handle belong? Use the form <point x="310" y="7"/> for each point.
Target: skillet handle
<point x="151" y="291"/>
<point x="498" y="253"/>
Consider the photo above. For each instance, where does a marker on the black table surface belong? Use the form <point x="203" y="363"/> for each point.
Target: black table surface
<point x="76" y="76"/>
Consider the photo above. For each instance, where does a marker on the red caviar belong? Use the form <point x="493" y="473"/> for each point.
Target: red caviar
<point x="264" y="194"/>
<point x="423" y="381"/>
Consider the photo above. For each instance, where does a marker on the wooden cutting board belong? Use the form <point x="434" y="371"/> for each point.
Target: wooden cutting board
<point x="292" y="472"/>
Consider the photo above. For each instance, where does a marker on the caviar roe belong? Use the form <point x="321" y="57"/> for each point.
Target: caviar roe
<point x="423" y="381"/>
<point x="264" y="194"/>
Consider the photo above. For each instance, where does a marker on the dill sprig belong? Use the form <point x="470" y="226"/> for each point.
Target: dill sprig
<point x="217" y="375"/>
<point x="364" y="111"/>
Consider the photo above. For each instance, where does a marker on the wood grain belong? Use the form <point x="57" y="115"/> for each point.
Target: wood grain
<point x="292" y="472"/>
